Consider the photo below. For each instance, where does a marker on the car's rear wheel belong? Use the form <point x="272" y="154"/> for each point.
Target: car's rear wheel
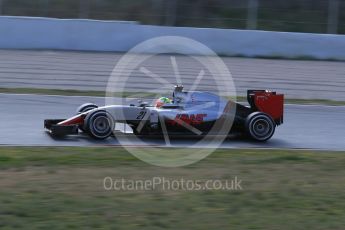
<point x="99" y="124"/>
<point x="260" y="126"/>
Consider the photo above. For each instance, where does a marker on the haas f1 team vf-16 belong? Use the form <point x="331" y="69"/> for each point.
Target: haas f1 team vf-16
<point x="194" y="113"/>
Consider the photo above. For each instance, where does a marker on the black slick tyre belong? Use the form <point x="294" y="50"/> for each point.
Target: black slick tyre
<point x="99" y="124"/>
<point x="260" y="126"/>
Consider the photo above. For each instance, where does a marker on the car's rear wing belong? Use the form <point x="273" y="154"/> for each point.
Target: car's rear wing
<point x="267" y="102"/>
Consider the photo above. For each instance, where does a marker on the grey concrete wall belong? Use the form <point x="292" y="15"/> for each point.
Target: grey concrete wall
<point x="93" y="35"/>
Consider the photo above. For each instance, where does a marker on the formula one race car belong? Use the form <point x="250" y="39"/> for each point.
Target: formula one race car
<point x="195" y="113"/>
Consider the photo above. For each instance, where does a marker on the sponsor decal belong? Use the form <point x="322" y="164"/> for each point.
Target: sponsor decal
<point x="190" y="119"/>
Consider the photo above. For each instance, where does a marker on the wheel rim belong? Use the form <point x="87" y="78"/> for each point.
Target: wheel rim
<point x="261" y="127"/>
<point x="101" y="125"/>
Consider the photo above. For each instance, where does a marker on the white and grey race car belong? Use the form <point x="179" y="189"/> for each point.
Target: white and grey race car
<point x="189" y="113"/>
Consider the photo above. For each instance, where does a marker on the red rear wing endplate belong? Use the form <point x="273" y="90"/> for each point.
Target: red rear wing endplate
<point x="267" y="102"/>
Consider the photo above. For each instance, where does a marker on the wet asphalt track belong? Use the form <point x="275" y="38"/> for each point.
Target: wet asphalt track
<point x="306" y="127"/>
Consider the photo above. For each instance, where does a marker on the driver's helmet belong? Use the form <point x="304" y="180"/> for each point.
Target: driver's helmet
<point x="162" y="101"/>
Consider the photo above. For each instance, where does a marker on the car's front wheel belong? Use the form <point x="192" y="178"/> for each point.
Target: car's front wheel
<point x="99" y="124"/>
<point x="260" y="126"/>
<point x="86" y="107"/>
